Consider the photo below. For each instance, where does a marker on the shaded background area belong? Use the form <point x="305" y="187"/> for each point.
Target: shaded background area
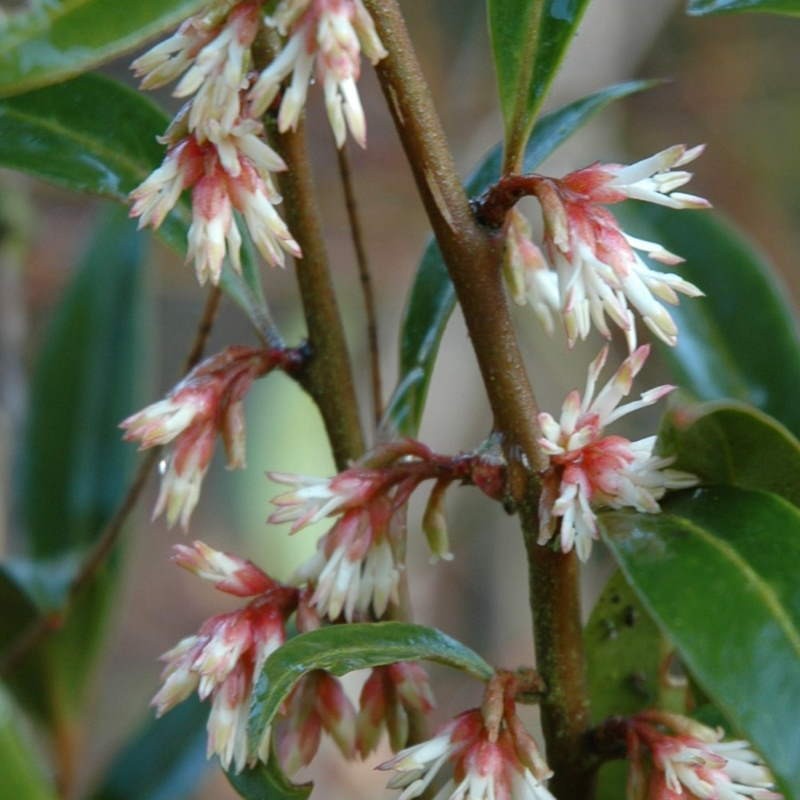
<point x="733" y="85"/>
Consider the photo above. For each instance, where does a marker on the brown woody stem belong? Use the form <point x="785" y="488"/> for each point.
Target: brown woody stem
<point x="493" y="205"/>
<point x="473" y="257"/>
<point x="328" y="376"/>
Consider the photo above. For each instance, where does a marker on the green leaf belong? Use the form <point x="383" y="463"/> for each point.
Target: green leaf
<point x="740" y="341"/>
<point x="529" y="39"/>
<point x="432" y="297"/>
<point x="717" y="571"/>
<point x="626" y="654"/>
<point x="57" y="39"/>
<point x="267" y="782"/>
<point x="75" y="468"/>
<point x="21" y="774"/>
<point x="165" y="760"/>
<point x="95" y="135"/>
<point x="702" y="7"/>
<point x="343" y="648"/>
<point x="734" y="444"/>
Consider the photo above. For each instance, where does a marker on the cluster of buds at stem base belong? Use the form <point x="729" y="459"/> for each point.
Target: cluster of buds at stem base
<point x="356" y="570"/>
<point x="207" y="403"/>
<point x="492" y="756"/>
<point x="676" y="757"/>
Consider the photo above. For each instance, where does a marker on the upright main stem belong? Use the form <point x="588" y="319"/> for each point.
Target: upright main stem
<point x="472" y="255"/>
<point x="328" y="377"/>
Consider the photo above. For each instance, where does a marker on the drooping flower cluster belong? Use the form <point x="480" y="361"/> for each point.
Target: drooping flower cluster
<point x="216" y="144"/>
<point x="492" y="756"/>
<point x="356" y="569"/>
<point x="207" y="403"/>
<point x="675" y="757"/>
<point x="590" y="470"/>
<point x="223" y="659"/>
<point x="599" y="270"/>
<point x="328" y="35"/>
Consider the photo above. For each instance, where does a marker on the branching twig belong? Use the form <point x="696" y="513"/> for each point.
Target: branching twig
<point x="366" y="284"/>
<point x="473" y="256"/>
<point x="41" y="626"/>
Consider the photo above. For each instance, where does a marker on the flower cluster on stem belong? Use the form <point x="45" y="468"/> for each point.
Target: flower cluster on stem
<point x="216" y="144"/>
<point x="222" y="661"/>
<point x="676" y="757"/>
<point x="589" y="469"/>
<point x="207" y="403"/>
<point x="356" y="570"/>
<point x="596" y="265"/>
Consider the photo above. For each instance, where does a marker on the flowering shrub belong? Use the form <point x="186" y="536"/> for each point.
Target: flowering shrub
<point x="700" y="517"/>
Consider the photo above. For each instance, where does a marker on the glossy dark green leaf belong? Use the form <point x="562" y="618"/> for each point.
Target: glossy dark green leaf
<point x="740" y="341"/>
<point x="529" y="39"/>
<point x="343" y="648"/>
<point x="717" y="571"/>
<point x="627" y="661"/>
<point x="165" y="760"/>
<point x="56" y="39"/>
<point x="731" y="443"/>
<point x="267" y="782"/>
<point x="701" y="7"/>
<point x="432" y="297"/>
<point x="21" y="774"/>
<point x="75" y="469"/>
<point x="95" y="135"/>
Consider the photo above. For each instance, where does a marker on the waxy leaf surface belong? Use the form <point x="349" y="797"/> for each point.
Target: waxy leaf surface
<point x="267" y="782"/>
<point x="56" y="39"/>
<point x="343" y="648"/>
<point x="529" y="39"/>
<point x="740" y="341"/>
<point x="432" y="297"/>
<point x="95" y="135"/>
<point x="732" y="444"/>
<point x="701" y="7"/>
<point x="717" y="571"/>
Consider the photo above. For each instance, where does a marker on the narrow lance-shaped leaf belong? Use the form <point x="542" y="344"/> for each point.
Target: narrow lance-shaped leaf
<point x="732" y="444"/>
<point x="740" y="341"/>
<point x="165" y="760"/>
<point x="432" y="297"/>
<point x="75" y="468"/>
<point x="93" y="134"/>
<point x="716" y="570"/>
<point x="56" y="39"/>
<point x="529" y="39"/>
<point x="343" y="648"/>
<point x="702" y="7"/>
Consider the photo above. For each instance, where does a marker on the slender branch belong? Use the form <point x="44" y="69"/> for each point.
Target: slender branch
<point x="96" y="557"/>
<point x="472" y="255"/>
<point x="328" y="376"/>
<point x="366" y="284"/>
